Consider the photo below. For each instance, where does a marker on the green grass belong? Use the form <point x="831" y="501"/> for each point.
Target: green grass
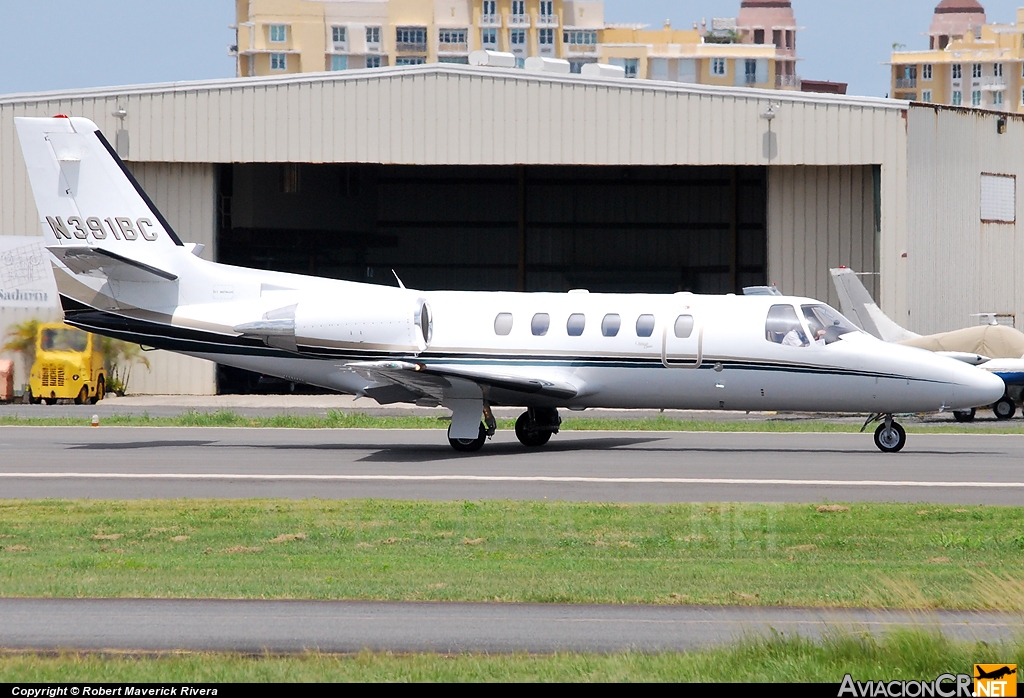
<point x="906" y="655"/>
<point x="871" y="555"/>
<point x="336" y="419"/>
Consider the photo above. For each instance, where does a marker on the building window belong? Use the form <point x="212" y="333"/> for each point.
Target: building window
<point x="546" y="37"/>
<point x="750" y="72"/>
<point x="998" y="198"/>
<point x="976" y="98"/>
<point x="339" y="62"/>
<point x="411" y="38"/>
<point x="926" y="96"/>
<point x="718" y="66"/>
<point x="926" y="72"/>
<point x="976" y="70"/>
<point x="632" y="67"/>
<point x="547" y="9"/>
<point x="410" y="60"/>
<point x="278" y="33"/>
<point x="958" y="71"/>
<point x="518" y="8"/>
<point x="373" y="61"/>
<point x="997" y="99"/>
<point x="518" y="37"/>
<point x="958" y="98"/>
<point x="997" y="70"/>
<point x="489" y="38"/>
<point x="338" y="35"/>
<point x="373" y="36"/>
<point x="451" y="36"/>
<point x="580" y="37"/>
<point x="279" y="61"/>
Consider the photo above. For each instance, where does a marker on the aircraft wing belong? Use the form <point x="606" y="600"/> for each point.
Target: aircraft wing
<point x="432" y="380"/>
<point x="102" y="263"/>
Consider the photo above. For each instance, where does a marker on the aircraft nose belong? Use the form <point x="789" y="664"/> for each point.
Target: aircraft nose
<point x="976" y="387"/>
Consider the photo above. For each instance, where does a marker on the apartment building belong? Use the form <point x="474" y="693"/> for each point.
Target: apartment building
<point x="968" y="63"/>
<point x="757" y="48"/>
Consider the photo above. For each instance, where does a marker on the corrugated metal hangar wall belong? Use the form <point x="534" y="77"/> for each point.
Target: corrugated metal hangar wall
<point x="479" y="178"/>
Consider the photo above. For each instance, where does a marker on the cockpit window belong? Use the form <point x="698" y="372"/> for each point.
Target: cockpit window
<point x="783" y="327"/>
<point x="826" y="324"/>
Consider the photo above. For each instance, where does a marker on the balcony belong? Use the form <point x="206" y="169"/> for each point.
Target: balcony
<point x="906" y="83"/>
<point x="406" y="47"/>
<point x="490" y="20"/>
<point x="519" y="20"/>
<point x="581" y="49"/>
<point x="783" y="81"/>
<point x="453" y="48"/>
<point x="547" y="20"/>
<point x="993" y="85"/>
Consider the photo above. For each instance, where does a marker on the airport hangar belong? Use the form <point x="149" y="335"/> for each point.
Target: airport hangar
<point x="483" y="178"/>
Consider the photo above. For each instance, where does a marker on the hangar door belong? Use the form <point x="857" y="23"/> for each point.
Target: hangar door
<point x="532" y="228"/>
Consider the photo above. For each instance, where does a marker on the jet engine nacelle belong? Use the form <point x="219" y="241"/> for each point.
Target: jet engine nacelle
<point x="391" y="327"/>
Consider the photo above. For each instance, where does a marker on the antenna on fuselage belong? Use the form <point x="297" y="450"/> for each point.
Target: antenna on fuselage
<point x="400" y="284"/>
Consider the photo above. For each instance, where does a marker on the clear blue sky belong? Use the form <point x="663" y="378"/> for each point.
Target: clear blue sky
<point x="56" y="44"/>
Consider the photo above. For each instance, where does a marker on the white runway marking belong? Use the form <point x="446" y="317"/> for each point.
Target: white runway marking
<point x="509" y="478"/>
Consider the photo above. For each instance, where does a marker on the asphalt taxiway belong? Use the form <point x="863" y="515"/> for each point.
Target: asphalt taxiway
<point x="165" y="462"/>
<point x="351" y="626"/>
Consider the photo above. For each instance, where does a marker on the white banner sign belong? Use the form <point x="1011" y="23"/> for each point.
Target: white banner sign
<point x="26" y="279"/>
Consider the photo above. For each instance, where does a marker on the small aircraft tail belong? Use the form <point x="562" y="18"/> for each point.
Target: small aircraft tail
<point x="95" y="216"/>
<point x="858" y="305"/>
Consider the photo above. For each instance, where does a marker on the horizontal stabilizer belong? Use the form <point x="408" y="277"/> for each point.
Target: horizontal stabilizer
<point x="102" y="263"/>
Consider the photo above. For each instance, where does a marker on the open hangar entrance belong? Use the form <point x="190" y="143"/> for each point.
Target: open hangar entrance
<point x="498" y="228"/>
<point x="501" y="228"/>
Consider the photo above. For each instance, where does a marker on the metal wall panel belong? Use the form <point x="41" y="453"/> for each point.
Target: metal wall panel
<point x="820" y="218"/>
<point x="959" y="265"/>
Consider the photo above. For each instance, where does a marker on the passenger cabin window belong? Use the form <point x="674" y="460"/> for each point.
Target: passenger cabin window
<point x="577" y="322"/>
<point x="540" y="324"/>
<point x="610" y="325"/>
<point x="826" y="324"/>
<point x="684" y="326"/>
<point x="783" y="327"/>
<point x="645" y="326"/>
<point x="503" y="324"/>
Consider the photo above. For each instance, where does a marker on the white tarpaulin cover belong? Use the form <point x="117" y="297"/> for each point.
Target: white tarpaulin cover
<point x="993" y="341"/>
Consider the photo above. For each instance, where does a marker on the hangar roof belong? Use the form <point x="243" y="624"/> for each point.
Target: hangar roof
<point x="452" y="114"/>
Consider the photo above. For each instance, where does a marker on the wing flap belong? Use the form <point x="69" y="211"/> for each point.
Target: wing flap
<point x="429" y="378"/>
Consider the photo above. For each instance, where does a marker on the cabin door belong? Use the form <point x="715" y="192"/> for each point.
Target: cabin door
<point x="682" y="341"/>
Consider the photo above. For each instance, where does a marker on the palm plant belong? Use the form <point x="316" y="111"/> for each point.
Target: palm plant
<point x="21" y="339"/>
<point x="119" y="358"/>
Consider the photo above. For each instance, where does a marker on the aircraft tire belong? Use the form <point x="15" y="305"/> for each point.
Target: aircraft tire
<point x="964" y="416"/>
<point x="890" y="440"/>
<point x="468" y="445"/>
<point x="531" y="438"/>
<point x="1004" y="409"/>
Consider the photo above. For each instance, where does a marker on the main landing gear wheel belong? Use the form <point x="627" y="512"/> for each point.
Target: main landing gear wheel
<point x="1004" y="409"/>
<point x="468" y="445"/>
<point x="529" y="436"/>
<point x="890" y="438"/>
<point x="964" y="416"/>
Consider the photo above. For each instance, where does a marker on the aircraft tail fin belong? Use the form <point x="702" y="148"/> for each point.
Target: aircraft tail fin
<point x="858" y="305"/>
<point x="85" y="194"/>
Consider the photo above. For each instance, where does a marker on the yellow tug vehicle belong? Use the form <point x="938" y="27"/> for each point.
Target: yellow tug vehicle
<point x="68" y="365"/>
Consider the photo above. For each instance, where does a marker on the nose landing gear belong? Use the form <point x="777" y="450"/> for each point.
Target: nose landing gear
<point x="890" y="436"/>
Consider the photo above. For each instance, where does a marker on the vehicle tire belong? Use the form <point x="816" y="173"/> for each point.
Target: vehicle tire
<point x="531" y="438"/>
<point x="890" y="440"/>
<point x="1004" y="409"/>
<point x="100" y="391"/>
<point x="83" y="397"/>
<point x="32" y="400"/>
<point x="964" y="416"/>
<point x="468" y="445"/>
<point x="50" y="400"/>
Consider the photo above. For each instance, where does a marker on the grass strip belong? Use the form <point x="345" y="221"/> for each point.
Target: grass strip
<point x="902" y="655"/>
<point x="864" y="555"/>
<point x="337" y="419"/>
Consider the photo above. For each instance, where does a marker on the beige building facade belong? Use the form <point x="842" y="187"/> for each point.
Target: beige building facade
<point x="755" y="49"/>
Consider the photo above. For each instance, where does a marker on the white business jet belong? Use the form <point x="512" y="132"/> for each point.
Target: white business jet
<point x="122" y="272"/>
